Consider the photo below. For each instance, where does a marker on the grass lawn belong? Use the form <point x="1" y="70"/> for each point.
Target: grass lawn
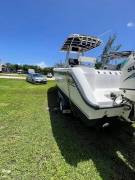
<point x="37" y="142"/>
<point x="13" y="74"/>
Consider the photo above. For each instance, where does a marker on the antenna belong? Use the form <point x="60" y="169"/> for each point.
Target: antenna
<point x="104" y="33"/>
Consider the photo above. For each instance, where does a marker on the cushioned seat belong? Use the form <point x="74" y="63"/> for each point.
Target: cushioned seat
<point x="103" y="96"/>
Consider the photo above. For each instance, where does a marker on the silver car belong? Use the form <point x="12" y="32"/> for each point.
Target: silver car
<point x="49" y="75"/>
<point x="36" y="78"/>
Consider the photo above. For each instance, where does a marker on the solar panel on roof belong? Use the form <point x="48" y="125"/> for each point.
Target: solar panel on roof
<point x="80" y="43"/>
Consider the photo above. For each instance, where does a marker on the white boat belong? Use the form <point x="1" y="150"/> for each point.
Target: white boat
<point x="95" y="93"/>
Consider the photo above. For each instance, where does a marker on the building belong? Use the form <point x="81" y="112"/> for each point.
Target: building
<point x="3" y="68"/>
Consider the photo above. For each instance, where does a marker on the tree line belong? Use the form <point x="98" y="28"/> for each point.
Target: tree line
<point x="15" y="67"/>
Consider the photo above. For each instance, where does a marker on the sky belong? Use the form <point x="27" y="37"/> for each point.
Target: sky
<point x="33" y="31"/>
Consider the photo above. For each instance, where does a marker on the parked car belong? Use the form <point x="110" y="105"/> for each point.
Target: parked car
<point x="19" y="71"/>
<point x="31" y="71"/>
<point x="36" y="78"/>
<point x="49" y="75"/>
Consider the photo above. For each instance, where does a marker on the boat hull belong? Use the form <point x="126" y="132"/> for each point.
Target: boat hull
<point x="69" y="87"/>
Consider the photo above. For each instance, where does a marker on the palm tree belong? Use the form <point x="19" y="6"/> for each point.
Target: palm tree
<point x="109" y="46"/>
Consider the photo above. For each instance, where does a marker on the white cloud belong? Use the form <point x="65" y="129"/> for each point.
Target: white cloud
<point x="42" y="64"/>
<point x="130" y="24"/>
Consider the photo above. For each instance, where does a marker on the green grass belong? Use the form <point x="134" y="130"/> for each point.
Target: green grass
<point x="13" y="74"/>
<point x="37" y="142"/>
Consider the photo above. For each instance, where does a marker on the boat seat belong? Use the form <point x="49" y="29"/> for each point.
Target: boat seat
<point x="97" y="85"/>
<point x="103" y="97"/>
<point x="73" y="62"/>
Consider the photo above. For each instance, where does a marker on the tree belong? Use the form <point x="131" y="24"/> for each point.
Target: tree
<point x="59" y="64"/>
<point x="109" y="46"/>
<point x="98" y="65"/>
<point x="14" y="67"/>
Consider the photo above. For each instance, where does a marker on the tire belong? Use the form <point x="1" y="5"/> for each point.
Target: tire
<point x="63" y="105"/>
<point x="33" y="82"/>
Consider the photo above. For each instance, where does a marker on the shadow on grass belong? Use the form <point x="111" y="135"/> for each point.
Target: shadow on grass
<point x="112" y="151"/>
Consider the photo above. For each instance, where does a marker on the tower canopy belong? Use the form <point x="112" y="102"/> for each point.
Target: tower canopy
<point x="80" y="43"/>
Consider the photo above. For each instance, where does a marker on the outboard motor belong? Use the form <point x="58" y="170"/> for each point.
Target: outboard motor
<point x="128" y="78"/>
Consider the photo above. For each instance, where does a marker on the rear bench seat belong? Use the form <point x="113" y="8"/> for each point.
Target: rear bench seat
<point x="103" y="82"/>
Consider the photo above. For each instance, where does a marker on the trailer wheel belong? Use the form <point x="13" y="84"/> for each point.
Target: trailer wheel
<point x="61" y="106"/>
